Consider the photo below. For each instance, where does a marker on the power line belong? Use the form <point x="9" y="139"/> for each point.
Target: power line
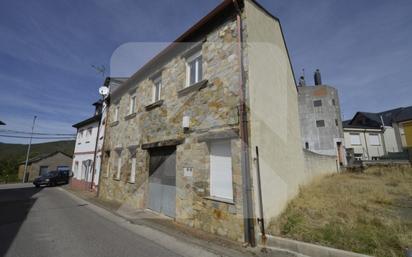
<point x="34" y="133"/>
<point x="65" y="137"/>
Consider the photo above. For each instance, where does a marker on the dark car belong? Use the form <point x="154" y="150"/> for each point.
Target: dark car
<point x="53" y="178"/>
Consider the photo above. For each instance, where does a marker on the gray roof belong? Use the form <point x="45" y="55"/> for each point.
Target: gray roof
<point x="374" y="120"/>
<point x="2" y="123"/>
<point x="404" y="115"/>
<point x="44" y="156"/>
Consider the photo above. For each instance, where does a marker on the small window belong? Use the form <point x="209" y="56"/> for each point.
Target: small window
<point x="132" y="105"/>
<point x="194" y="68"/>
<point x="317" y="103"/>
<point x="133" y="170"/>
<point x="320" y="123"/>
<point x="374" y="139"/>
<point x="306" y="145"/>
<point x="333" y="102"/>
<point x="336" y="122"/>
<point x="221" y="170"/>
<point x="157" y="88"/>
<point x="119" y="165"/>
<point x="89" y="132"/>
<point x="355" y="139"/>
<point x="116" y="113"/>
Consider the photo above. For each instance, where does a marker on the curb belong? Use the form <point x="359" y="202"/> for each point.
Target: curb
<point x="309" y="249"/>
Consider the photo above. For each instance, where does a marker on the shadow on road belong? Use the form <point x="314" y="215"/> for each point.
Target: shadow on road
<point x="15" y="204"/>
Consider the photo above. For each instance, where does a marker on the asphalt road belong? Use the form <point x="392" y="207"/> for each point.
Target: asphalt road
<point x="48" y="222"/>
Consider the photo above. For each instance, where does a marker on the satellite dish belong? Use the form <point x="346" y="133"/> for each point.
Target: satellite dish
<point x="104" y="91"/>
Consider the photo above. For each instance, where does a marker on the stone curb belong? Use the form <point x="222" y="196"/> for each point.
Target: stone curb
<point x="309" y="249"/>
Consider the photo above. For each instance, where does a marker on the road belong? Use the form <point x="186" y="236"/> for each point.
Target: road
<point x="48" y="222"/>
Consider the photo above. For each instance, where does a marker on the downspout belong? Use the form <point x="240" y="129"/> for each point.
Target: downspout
<point x="366" y="144"/>
<point x="106" y="102"/>
<point x="260" y="220"/>
<point x="249" y="232"/>
<point x="95" y="151"/>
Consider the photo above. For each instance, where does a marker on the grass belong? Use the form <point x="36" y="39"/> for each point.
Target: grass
<point x="369" y="213"/>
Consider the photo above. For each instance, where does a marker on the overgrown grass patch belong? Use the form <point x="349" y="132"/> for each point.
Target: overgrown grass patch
<point x="368" y="212"/>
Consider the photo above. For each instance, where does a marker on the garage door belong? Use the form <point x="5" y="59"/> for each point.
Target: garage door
<point x="162" y="180"/>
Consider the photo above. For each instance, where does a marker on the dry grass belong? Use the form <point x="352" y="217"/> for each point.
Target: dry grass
<point x="369" y="212"/>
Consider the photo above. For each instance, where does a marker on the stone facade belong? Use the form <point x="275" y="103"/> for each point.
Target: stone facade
<point x="213" y="112"/>
<point x="52" y="162"/>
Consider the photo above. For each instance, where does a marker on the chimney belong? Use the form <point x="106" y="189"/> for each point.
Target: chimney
<point x="317" y="77"/>
<point x="302" y="82"/>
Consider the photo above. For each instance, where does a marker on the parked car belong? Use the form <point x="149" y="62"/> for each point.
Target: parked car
<point x="53" y="178"/>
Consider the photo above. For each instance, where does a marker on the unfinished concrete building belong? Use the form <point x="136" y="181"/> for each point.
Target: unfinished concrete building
<point x="320" y="118"/>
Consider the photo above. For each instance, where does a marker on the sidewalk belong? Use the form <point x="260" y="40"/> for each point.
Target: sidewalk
<point x="211" y="243"/>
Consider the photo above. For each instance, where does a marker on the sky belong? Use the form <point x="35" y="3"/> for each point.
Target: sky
<point x="48" y="47"/>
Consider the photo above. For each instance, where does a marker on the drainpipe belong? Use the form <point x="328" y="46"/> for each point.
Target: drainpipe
<point x="106" y="103"/>
<point x="249" y="232"/>
<point x="366" y="144"/>
<point x="95" y="149"/>
<point x="260" y="220"/>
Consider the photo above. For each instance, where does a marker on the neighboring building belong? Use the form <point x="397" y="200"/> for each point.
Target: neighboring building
<point x="372" y="135"/>
<point x="320" y="119"/>
<point x="364" y="141"/>
<point x="85" y="174"/>
<point x="87" y="154"/>
<point x="182" y="133"/>
<point x="42" y="164"/>
<point x="403" y="127"/>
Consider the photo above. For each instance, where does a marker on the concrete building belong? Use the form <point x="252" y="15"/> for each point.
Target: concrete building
<point x="320" y="119"/>
<point x="42" y="164"/>
<point x="193" y="134"/>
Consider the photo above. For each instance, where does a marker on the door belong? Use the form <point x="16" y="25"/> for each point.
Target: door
<point x="43" y="170"/>
<point x="162" y="180"/>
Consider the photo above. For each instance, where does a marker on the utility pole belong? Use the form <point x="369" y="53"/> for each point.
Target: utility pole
<point x="28" y="150"/>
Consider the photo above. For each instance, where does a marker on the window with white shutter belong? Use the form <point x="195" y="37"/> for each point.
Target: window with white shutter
<point x="221" y="170"/>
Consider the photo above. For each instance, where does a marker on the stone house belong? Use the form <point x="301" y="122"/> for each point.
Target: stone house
<point x="42" y="164"/>
<point x="208" y="132"/>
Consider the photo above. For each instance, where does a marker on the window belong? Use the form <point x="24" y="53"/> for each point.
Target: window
<point x="108" y="164"/>
<point x="221" y="170"/>
<point x="336" y="122"/>
<point x="320" y="123"/>
<point x="80" y="133"/>
<point x="374" y="139"/>
<point x="317" y="103"/>
<point x="157" y="88"/>
<point x="89" y="132"/>
<point x="133" y="170"/>
<point x="355" y="139"/>
<point x="194" y="69"/>
<point x="333" y="102"/>
<point x="119" y="164"/>
<point x="306" y="145"/>
<point x="132" y="105"/>
<point x="116" y="113"/>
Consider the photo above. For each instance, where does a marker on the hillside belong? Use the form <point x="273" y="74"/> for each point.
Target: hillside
<point x="368" y="212"/>
<point x="12" y="154"/>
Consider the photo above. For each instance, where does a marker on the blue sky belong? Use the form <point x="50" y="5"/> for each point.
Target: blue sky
<point x="47" y="47"/>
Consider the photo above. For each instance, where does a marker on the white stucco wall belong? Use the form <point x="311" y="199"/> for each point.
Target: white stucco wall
<point x="84" y="150"/>
<point x="274" y="118"/>
<point x="390" y="140"/>
<point x="365" y="148"/>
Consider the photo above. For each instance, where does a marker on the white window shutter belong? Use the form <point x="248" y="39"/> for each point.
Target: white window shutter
<point x="221" y="170"/>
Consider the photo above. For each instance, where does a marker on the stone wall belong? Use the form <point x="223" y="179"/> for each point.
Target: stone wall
<point x="213" y="111"/>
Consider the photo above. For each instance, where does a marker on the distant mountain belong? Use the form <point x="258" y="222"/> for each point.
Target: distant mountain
<point x="13" y="154"/>
<point x="18" y="151"/>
